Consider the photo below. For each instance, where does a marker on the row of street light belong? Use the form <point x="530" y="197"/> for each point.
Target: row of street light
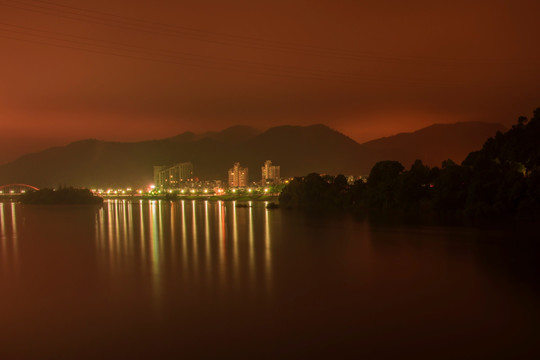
<point x="152" y="190"/>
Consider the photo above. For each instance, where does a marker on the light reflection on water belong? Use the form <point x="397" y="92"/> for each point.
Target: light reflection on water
<point x="267" y="251"/>
<point x="208" y="253"/>
<point x="3" y="237"/>
<point x="195" y="244"/>
<point x="251" y="245"/>
<point x="9" y="238"/>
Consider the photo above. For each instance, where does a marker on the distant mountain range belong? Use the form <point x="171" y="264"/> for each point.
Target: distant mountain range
<point x="299" y="150"/>
<point x="435" y="143"/>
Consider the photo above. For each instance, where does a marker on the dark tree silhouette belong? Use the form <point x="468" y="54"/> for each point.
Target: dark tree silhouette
<point x="383" y="184"/>
<point x="499" y="182"/>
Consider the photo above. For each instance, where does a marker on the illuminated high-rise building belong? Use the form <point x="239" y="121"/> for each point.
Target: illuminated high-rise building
<point x="270" y="173"/>
<point x="170" y="177"/>
<point x="238" y="176"/>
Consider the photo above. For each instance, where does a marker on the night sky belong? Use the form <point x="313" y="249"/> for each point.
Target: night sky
<point x="134" y="70"/>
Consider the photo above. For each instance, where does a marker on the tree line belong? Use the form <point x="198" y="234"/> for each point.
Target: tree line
<point x="63" y="195"/>
<point x="498" y="182"/>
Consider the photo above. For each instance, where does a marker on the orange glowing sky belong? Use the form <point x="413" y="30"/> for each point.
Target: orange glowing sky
<point x="124" y="70"/>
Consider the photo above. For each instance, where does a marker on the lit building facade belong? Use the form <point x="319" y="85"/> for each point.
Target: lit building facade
<point x="238" y="176"/>
<point x="270" y="173"/>
<point x="170" y="177"/>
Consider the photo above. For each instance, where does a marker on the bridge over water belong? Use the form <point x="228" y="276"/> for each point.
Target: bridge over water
<point x="16" y="189"/>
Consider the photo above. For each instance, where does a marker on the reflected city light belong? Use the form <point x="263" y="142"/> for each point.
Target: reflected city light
<point x="123" y="214"/>
<point x="251" y="238"/>
<point x="2" y="222"/>
<point x="9" y="239"/>
<point x="222" y="237"/>
<point x="161" y="245"/>
<point x="173" y="235"/>
<point x="194" y="242"/>
<point x="236" y="261"/>
<point x="168" y="240"/>
<point x="117" y="238"/>
<point x="208" y="252"/>
<point x="110" y="228"/>
<point x="14" y="228"/>
<point x="129" y="210"/>
<point x="154" y="238"/>
<point x="3" y="236"/>
<point x="184" y="241"/>
<point x="142" y="232"/>
<point x="267" y="249"/>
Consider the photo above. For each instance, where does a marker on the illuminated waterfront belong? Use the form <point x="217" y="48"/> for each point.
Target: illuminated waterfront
<point x="196" y="278"/>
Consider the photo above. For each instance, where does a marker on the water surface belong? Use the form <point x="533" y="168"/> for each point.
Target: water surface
<point x="148" y="279"/>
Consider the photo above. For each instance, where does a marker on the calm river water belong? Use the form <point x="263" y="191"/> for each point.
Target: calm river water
<point x="191" y="279"/>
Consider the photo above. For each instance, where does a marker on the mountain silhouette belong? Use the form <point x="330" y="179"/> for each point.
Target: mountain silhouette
<point x="435" y="143"/>
<point x="299" y="150"/>
<point x="232" y="134"/>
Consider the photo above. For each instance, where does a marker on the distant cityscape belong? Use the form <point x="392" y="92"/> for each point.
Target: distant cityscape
<point x="181" y="178"/>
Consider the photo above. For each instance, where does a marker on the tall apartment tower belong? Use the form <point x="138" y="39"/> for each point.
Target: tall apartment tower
<point x="238" y="176"/>
<point x="157" y="174"/>
<point x="270" y="173"/>
<point x="170" y="177"/>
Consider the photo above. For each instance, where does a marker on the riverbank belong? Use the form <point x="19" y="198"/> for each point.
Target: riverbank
<point x="196" y="197"/>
